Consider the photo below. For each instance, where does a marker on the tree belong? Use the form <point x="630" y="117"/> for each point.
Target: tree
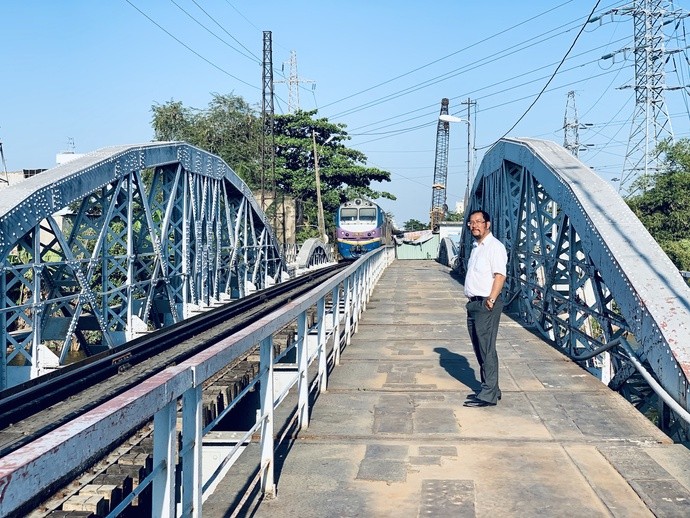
<point x="229" y="128"/>
<point x="664" y="209"/>
<point x="172" y="121"/>
<point x="454" y="216"/>
<point x="342" y="171"/>
<point x="232" y="129"/>
<point x="414" y="224"/>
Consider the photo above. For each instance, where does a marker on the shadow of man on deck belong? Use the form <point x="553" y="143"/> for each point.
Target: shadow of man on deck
<point x="457" y="366"/>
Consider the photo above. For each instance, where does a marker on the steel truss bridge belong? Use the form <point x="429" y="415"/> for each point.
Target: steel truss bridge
<point x="133" y="238"/>
<point x="585" y="273"/>
<point x="122" y="241"/>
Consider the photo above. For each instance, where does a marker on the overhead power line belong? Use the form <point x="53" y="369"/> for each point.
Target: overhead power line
<point x="492" y="58"/>
<point x="220" y="69"/>
<point x="445" y="57"/>
<point x="256" y="58"/>
<point x="250" y="56"/>
<point x="554" y="73"/>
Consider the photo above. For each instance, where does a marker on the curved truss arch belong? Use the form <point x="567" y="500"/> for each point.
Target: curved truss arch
<point x="447" y="252"/>
<point x="312" y="253"/>
<point x="119" y="242"/>
<point x="584" y="270"/>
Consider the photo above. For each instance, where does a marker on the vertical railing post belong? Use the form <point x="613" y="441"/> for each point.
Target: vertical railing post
<point x="335" y="308"/>
<point x="186" y="246"/>
<point x="4" y="333"/>
<point x="347" y="289"/>
<point x="323" y="353"/>
<point x="164" y="449"/>
<point x="192" y="428"/>
<point x="366" y="272"/>
<point x="357" y="302"/>
<point x="302" y="371"/>
<point x="37" y="316"/>
<point x="267" y="400"/>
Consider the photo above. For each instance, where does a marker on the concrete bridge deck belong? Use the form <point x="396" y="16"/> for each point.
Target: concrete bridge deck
<point x="391" y="437"/>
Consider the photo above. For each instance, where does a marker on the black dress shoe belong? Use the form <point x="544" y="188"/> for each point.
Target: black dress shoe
<point x="474" y="396"/>
<point x="475" y="403"/>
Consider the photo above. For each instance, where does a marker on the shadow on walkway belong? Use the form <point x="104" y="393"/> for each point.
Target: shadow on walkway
<point x="457" y="366"/>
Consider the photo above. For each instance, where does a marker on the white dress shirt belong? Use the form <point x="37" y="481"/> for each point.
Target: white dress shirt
<point x="487" y="259"/>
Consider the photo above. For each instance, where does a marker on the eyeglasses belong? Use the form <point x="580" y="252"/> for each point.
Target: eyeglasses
<point x="475" y="223"/>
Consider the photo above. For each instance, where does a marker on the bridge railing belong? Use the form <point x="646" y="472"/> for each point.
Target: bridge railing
<point x="46" y="462"/>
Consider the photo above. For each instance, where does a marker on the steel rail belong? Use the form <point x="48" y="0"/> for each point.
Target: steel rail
<point x="187" y="338"/>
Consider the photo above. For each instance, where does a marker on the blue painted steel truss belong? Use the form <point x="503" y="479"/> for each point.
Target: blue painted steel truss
<point x="119" y="242"/>
<point x="587" y="275"/>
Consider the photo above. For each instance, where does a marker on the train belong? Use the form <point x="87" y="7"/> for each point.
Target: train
<point x="361" y="226"/>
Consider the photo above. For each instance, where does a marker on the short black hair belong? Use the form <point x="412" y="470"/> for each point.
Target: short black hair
<point x="485" y="215"/>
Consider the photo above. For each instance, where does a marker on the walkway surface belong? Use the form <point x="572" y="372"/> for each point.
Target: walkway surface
<point x="391" y="438"/>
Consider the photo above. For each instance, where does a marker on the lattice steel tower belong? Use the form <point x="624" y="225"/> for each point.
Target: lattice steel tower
<point x="571" y="126"/>
<point x="268" y="137"/>
<point x="438" y="190"/>
<point x="4" y="166"/>
<point x="293" y="83"/>
<point x="651" y="123"/>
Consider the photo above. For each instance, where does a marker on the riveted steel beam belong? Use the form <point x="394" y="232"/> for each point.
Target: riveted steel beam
<point x="119" y="242"/>
<point x="582" y="268"/>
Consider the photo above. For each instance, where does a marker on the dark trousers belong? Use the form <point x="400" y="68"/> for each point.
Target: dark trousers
<point x="482" y="325"/>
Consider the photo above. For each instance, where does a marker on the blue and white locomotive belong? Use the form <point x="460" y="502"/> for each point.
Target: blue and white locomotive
<point x="361" y="226"/>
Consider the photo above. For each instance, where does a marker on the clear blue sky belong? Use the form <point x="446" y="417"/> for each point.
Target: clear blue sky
<point x="91" y="70"/>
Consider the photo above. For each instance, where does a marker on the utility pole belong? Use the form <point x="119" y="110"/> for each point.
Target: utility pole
<point x="320" y="218"/>
<point x="470" y="149"/>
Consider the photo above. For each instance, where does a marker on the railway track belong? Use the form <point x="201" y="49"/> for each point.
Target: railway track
<point x="34" y="409"/>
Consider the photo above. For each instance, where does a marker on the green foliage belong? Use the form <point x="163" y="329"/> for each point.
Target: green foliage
<point x="454" y="216"/>
<point x="305" y="232"/>
<point x="172" y="121"/>
<point x="414" y="224"/>
<point x="342" y="171"/>
<point x="664" y="209"/>
<point x="678" y="252"/>
<point x="231" y="129"/>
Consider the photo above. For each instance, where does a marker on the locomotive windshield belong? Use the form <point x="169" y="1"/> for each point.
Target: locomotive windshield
<point x="348" y="214"/>
<point x="367" y="214"/>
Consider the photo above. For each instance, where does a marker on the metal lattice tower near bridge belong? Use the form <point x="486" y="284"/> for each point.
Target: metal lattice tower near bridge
<point x="571" y="135"/>
<point x="293" y="83"/>
<point x="651" y="123"/>
<point x="438" y="188"/>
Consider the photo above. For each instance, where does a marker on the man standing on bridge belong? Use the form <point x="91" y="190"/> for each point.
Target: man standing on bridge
<point x="486" y="273"/>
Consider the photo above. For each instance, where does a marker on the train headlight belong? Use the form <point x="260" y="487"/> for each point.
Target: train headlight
<point x="369" y="234"/>
<point x="347" y="234"/>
